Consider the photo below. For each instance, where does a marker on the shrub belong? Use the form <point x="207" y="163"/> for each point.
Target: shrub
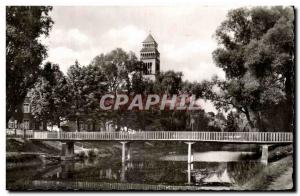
<point x="81" y="155"/>
<point x="92" y="153"/>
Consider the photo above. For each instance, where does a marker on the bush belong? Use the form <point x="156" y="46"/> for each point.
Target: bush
<point x="92" y="153"/>
<point x="81" y="155"/>
<point x="21" y="157"/>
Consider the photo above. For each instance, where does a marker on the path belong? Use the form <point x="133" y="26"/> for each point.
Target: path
<point x="284" y="181"/>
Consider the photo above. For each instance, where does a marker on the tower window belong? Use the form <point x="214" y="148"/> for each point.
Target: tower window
<point x="26" y="108"/>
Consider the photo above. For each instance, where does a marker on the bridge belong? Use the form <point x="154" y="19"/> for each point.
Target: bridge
<point x="231" y="137"/>
<point x="262" y="138"/>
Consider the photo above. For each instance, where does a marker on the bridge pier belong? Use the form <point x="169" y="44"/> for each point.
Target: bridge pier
<point x="123" y="172"/>
<point x="189" y="176"/>
<point x="264" y="154"/>
<point x="125" y="156"/>
<point x="67" y="170"/>
<point x="190" y="156"/>
<point x="67" y="151"/>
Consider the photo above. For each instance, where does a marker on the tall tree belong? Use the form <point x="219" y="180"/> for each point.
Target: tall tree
<point x="49" y="97"/>
<point x="257" y="54"/>
<point x="169" y="82"/>
<point x="231" y="123"/>
<point x="86" y="85"/>
<point x="118" y="67"/>
<point x="76" y="83"/>
<point x="25" y="25"/>
<point x="122" y="73"/>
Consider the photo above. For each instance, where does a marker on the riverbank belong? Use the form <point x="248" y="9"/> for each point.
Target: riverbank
<point x="23" y="153"/>
<point x="21" y="145"/>
<point x="277" y="175"/>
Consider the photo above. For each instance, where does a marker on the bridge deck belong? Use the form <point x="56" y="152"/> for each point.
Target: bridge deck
<point x="232" y="137"/>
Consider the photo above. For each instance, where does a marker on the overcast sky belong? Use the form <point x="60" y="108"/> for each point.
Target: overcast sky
<point x="184" y="35"/>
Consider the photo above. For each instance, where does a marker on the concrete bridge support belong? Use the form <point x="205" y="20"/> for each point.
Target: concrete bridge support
<point x="123" y="172"/>
<point x="264" y="154"/>
<point x="125" y="151"/>
<point x="189" y="173"/>
<point x="190" y="155"/>
<point x="67" y="170"/>
<point x="67" y="151"/>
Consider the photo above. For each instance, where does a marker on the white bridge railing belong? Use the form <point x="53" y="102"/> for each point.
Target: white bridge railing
<point x="19" y="133"/>
<point x="257" y="137"/>
<point x="265" y="137"/>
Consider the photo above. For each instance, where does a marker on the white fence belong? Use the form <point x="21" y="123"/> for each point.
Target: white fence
<point x="244" y="137"/>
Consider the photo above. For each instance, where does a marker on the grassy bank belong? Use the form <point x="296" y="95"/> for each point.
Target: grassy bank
<point x="25" y="153"/>
<point x="280" y="161"/>
<point x="20" y="145"/>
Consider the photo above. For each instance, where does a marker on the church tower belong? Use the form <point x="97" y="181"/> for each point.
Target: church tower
<point x="150" y="57"/>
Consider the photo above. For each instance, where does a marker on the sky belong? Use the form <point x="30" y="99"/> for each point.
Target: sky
<point x="185" y="35"/>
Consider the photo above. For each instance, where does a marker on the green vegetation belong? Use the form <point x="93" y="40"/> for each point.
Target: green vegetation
<point x="81" y="155"/>
<point x="256" y="51"/>
<point x="278" y="152"/>
<point x="17" y="157"/>
<point x="20" y="145"/>
<point x="25" y="25"/>
<point x="92" y="154"/>
<point x="263" y="179"/>
<point x="259" y="177"/>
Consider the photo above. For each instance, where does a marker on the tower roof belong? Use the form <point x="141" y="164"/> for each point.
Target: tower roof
<point x="149" y="50"/>
<point x="149" y="39"/>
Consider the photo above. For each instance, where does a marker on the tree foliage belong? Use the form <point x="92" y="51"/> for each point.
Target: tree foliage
<point x="25" y="25"/>
<point x="49" y="98"/>
<point x="85" y="87"/>
<point x="257" y="54"/>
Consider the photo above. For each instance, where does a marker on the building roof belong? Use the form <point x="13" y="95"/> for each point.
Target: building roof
<point x="149" y="39"/>
<point x="149" y="50"/>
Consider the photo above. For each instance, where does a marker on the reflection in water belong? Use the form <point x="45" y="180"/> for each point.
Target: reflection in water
<point x="209" y="156"/>
<point x="123" y="170"/>
<point x="139" y="172"/>
<point x="189" y="172"/>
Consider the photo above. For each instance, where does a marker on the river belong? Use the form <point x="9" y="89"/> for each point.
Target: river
<point x="210" y="170"/>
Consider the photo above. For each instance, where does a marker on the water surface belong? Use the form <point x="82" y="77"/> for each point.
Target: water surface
<point x="212" y="170"/>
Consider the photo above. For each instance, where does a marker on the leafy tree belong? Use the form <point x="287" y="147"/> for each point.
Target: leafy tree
<point x="118" y="67"/>
<point x="25" y="25"/>
<point x="75" y="78"/>
<point x="201" y="120"/>
<point x="257" y="54"/>
<point x="85" y="87"/>
<point x="169" y="82"/>
<point x="231" y="123"/>
<point x="49" y="97"/>
<point x="122" y="73"/>
<point x="216" y="122"/>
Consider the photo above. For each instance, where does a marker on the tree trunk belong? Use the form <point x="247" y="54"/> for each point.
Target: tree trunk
<point x="44" y="125"/>
<point x="78" y="125"/>
<point x="94" y="126"/>
<point x="289" y="111"/>
<point x="249" y="118"/>
<point x="58" y="123"/>
<point x="259" y="121"/>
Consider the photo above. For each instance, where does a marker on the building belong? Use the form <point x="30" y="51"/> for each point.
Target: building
<point x="150" y="57"/>
<point x="23" y="119"/>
